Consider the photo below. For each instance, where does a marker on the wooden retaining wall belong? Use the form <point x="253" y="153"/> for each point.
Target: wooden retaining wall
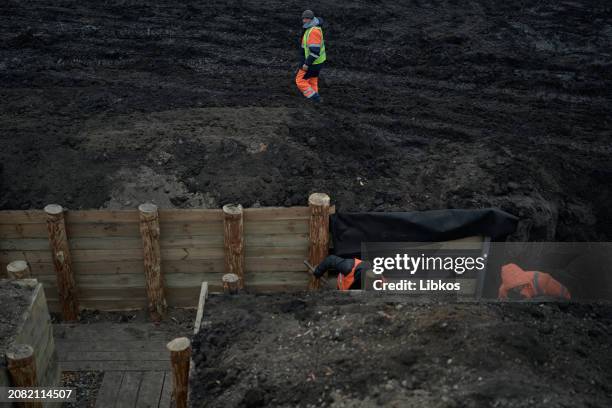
<point x="36" y="330"/>
<point x="106" y="251"/>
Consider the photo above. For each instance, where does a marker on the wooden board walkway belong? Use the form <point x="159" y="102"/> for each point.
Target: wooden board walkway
<point x="133" y="357"/>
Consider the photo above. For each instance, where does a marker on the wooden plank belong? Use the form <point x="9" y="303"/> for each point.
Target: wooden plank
<point x="150" y="389"/>
<point x="23" y="217"/>
<point x="176" y="229"/>
<point x="98" y="255"/>
<point x="165" y="399"/>
<point x="107" y="331"/>
<point x="201" y="303"/>
<point x="23" y="231"/>
<point x="101" y="216"/>
<point x="275" y="213"/>
<point x="113" y="355"/>
<point x="107" y="395"/>
<point x="101" y="255"/>
<point x="115" y="365"/>
<point x="276" y="227"/>
<point x="109" y="267"/>
<point x="24" y="244"/>
<point x="65" y="345"/>
<point x="262" y="265"/>
<point x="29" y="256"/>
<point x="128" y="392"/>
<point x="277" y="240"/>
<point x="99" y="230"/>
<point x="276" y="252"/>
<point x="195" y="215"/>
<point x="41" y="269"/>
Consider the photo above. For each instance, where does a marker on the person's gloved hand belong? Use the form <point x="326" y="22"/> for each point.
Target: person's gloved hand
<point x="318" y="272"/>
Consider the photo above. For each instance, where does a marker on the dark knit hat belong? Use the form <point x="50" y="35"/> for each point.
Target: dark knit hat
<point x="308" y="14"/>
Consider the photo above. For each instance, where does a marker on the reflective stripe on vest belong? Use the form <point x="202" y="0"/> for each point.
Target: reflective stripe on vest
<point x="322" y="56"/>
<point x="345" y="282"/>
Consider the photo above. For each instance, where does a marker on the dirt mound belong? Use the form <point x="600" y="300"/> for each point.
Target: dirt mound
<point x="14" y="301"/>
<point x="337" y="350"/>
<point x="428" y="104"/>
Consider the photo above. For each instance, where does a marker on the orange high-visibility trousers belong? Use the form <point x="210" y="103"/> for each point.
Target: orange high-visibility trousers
<point x="308" y="86"/>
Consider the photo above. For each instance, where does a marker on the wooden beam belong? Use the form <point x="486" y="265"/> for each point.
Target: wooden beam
<point x="22" y="368"/>
<point x="62" y="262"/>
<point x="201" y="303"/>
<point x="233" y="243"/>
<point x="180" y="354"/>
<point x="18" y="270"/>
<point x="154" y="282"/>
<point x="318" y="232"/>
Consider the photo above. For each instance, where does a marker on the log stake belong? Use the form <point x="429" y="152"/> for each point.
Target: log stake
<point x="318" y="232"/>
<point x="233" y="241"/>
<point x="62" y="261"/>
<point x="22" y="369"/>
<point x="154" y="282"/>
<point x="180" y="354"/>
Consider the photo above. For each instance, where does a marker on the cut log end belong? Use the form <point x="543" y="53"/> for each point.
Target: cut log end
<point x="54" y="209"/>
<point x="179" y="344"/>
<point x="232" y="209"/>
<point x="231" y="283"/>
<point x="18" y="352"/>
<point x="18" y="270"/>
<point x="147" y="208"/>
<point x="319" y="199"/>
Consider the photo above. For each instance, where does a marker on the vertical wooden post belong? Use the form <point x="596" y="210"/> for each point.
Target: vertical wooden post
<point x="233" y="241"/>
<point x="180" y="354"/>
<point x="62" y="261"/>
<point x="154" y="282"/>
<point x="318" y="245"/>
<point x="22" y="369"/>
<point x="18" y="270"/>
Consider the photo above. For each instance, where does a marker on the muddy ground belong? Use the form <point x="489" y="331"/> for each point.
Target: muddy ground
<point x="14" y="301"/>
<point x="427" y="104"/>
<point x="337" y="350"/>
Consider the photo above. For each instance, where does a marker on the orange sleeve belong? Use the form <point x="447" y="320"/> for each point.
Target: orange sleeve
<point x="315" y="37"/>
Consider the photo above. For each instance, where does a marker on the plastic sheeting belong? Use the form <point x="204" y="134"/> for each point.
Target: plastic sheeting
<point x="349" y="230"/>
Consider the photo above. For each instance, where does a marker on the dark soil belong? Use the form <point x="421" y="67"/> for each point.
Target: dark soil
<point x="336" y="350"/>
<point x="86" y="384"/>
<point x="427" y="104"/>
<point x="14" y="301"/>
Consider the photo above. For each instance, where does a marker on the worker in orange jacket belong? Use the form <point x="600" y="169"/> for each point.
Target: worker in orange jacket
<point x="522" y="284"/>
<point x="313" y="56"/>
<point x="349" y="271"/>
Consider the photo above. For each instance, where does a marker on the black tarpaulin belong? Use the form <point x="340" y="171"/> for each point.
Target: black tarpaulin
<point x="349" y="230"/>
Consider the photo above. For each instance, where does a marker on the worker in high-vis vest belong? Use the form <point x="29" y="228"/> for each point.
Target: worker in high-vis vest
<point x="521" y="284"/>
<point x="313" y="56"/>
<point x="349" y="271"/>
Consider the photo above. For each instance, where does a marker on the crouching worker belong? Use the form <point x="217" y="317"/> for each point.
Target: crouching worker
<point x="349" y="271"/>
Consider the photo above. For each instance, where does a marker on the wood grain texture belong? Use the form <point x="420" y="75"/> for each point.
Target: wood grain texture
<point x="62" y="261"/>
<point x="318" y="231"/>
<point x="233" y="241"/>
<point x="180" y="355"/>
<point x="21" y="364"/>
<point x="154" y="282"/>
